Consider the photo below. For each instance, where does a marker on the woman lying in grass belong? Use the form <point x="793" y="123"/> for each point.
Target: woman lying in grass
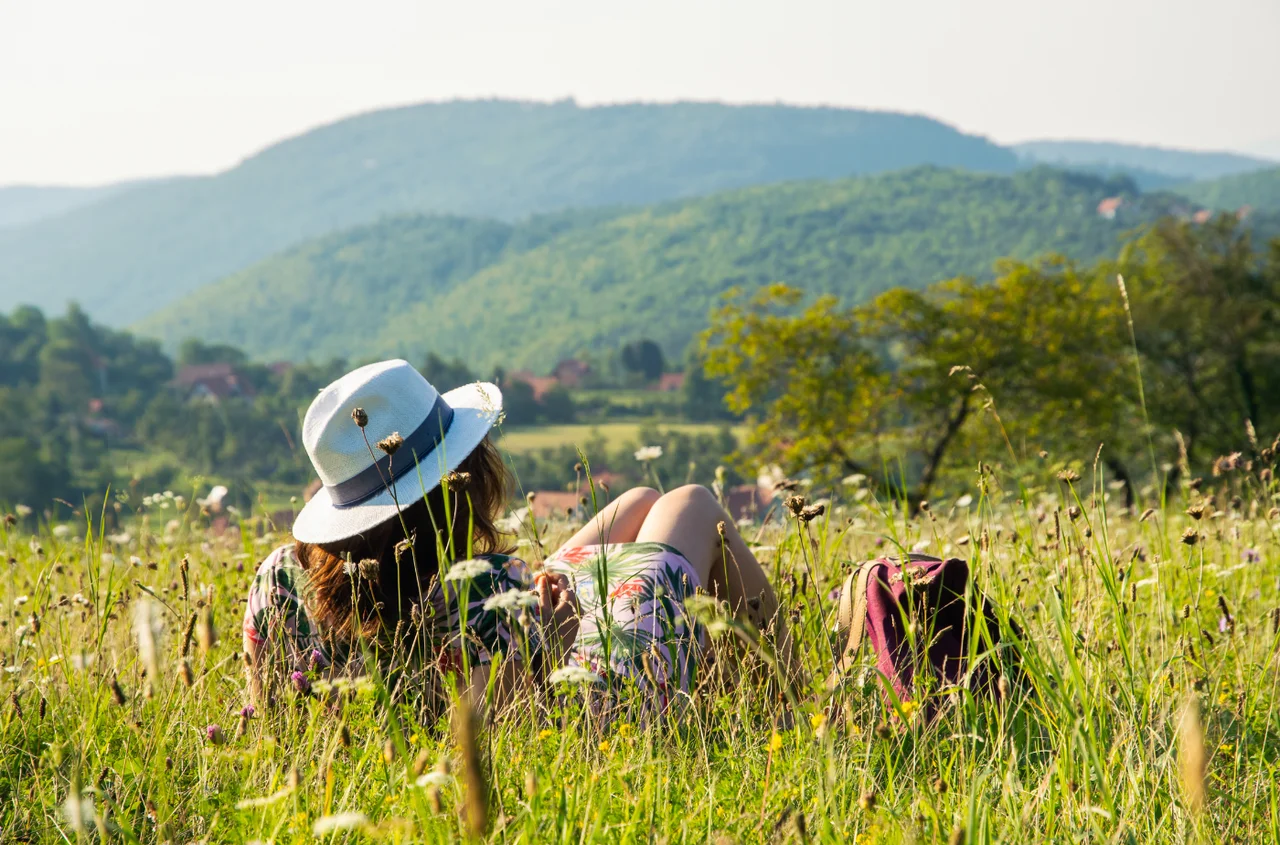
<point x="397" y="558"/>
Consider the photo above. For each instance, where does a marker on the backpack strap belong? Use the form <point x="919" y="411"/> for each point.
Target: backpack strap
<point x="852" y="619"/>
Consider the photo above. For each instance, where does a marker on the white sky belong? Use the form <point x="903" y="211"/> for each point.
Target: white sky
<point x="94" y="91"/>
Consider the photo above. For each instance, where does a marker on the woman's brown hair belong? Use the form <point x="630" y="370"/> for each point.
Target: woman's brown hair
<point x="366" y="584"/>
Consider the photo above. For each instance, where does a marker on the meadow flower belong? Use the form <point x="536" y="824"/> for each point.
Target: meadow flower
<point x="511" y="600"/>
<point x="213" y="733"/>
<point x="545" y="733"/>
<point x="340" y="821"/>
<point x="22" y="510"/>
<point x="648" y="453"/>
<point x="775" y="742"/>
<point x="466" y="570"/>
<point x="964" y="501"/>
<point x="301" y="683"/>
<point x="434" y="779"/>
<point x="575" y="675"/>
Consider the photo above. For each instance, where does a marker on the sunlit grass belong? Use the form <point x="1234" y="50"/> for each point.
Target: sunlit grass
<point x="1126" y="621"/>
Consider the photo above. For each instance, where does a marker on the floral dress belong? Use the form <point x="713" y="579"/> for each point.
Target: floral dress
<point x="276" y="616"/>
<point x="633" y="628"/>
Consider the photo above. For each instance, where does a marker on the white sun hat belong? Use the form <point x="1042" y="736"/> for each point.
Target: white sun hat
<point x="363" y="486"/>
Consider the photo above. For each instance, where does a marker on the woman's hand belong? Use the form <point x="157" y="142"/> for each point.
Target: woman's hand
<point x="557" y="611"/>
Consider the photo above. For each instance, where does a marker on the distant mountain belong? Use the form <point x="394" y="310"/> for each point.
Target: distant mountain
<point x="526" y="294"/>
<point x="130" y="254"/>
<point x="1147" y="165"/>
<point x="1260" y="190"/>
<point x="20" y="204"/>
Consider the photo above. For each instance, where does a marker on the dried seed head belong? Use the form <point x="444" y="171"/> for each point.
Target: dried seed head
<point x="368" y="569"/>
<point x="1073" y="512"/>
<point x="810" y="513"/>
<point x="867" y="801"/>
<point x="117" y="692"/>
<point x="1190" y="537"/>
<point x="1068" y="475"/>
<point x="344" y="736"/>
<point x="795" y="504"/>
<point x="458" y="480"/>
<point x="359" y="417"/>
<point x="1147" y="514"/>
<point x="391" y="443"/>
<point x="1195" y="511"/>
<point x="184" y="672"/>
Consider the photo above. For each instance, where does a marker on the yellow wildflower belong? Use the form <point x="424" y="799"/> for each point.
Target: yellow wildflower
<point x="546" y="733"/>
<point x="817" y="720"/>
<point x="775" y="742"/>
<point x="624" y="730"/>
<point x="604" y="746"/>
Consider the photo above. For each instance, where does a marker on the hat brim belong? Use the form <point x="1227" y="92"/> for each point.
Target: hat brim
<point x="476" y="408"/>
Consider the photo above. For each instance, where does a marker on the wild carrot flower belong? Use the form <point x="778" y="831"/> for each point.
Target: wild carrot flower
<point x="648" y="453"/>
<point x="466" y="570"/>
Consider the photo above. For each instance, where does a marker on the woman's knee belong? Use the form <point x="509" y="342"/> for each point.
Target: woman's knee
<point x="639" y="497"/>
<point x="689" y="497"/>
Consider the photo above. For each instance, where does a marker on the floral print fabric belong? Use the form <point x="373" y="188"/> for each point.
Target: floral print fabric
<point x="277" y="615"/>
<point x="633" y="628"/>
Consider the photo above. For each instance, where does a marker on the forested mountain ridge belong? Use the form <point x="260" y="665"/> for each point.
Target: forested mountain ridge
<point x="1169" y="163"/>
<point x="134" y="252"/>
<point x="1259" y="190"/>
<point x="553" y="286"/>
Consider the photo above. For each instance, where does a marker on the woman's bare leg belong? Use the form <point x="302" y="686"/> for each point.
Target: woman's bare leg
<point x="619" y="522"/>
<point x="689" y="519"/>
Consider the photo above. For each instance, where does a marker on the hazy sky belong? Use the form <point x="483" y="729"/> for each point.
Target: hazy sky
<point x="94" y="91"/>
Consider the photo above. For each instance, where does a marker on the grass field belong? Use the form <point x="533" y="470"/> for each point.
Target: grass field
<point x="615" y="434"/>
<point x="1147" y="712"/>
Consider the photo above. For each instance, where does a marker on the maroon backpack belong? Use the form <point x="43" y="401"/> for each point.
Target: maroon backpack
<point x="882" y="597"/>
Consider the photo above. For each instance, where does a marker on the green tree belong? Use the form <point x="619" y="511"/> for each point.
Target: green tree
<point x="644" y="358"/>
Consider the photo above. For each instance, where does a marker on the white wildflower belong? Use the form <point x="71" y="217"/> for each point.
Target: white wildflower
<point x="575" y="675"/>
<point x="854" y="480"/>
<point x="21" y="600"/>
<point x="61" y="531"/>
<point x="648" y="453"/>
<point x="514" y="522"/>
<point x="341" y="821"/>
<point x="121" y="539"/>
<point x="22" y="510"/>
<point x="215" y="497"/>
<point x="434" y="779"/>
<point x="511" y="600"/>
<point x="964" y="501"/>
<point x="465" y="570"/>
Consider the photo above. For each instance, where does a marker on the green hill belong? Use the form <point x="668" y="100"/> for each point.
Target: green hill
<point x="1260" y="190"/>
<point x="529" y="293"/>
<point x="129" y="254"/>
